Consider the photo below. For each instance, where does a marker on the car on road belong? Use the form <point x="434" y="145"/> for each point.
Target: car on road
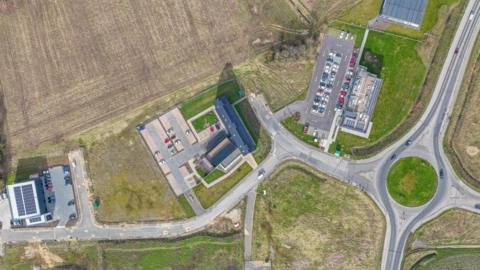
<point x="477" y="206"/>
<point x="457" y="50"/>
<point x="393" y="156"/>
<point x="441" y="173"/>
<point x="408" y="142"/>
<point x="261" y="173"/>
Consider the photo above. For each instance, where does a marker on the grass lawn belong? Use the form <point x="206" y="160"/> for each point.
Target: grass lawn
<point x="128" y="181"/>
<point x="297" y="129"/>
<point x="412" y="181"/>
<point x="208" y="196"/>
<point x="199" y="103"/>
<point x="357" y="30"/>
<point x="363" y="12"/>
<point x="204" y="121"/>
<point x="402" y="72"/>
<point x="446" y="259"/>
<point x="262" y="140"/>
<point x="196" y="252"/>
<point x="312" y="221"/>
<point x="213" y="175"/>
<point x="186" y="206"/>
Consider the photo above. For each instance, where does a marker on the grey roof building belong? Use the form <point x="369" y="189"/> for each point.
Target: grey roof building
<point x="237" y="132"/>
<point x="409" y="12"/>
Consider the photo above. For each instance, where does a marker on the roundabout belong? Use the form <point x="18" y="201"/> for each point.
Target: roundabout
<point x="412" y="181"/>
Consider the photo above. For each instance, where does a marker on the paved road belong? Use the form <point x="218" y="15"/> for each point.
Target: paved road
<point x="368" y="175"/>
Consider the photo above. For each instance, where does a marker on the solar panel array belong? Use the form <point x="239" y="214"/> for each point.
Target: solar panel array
<point x="411" y="11"/>
<point x="19" y="201"/>
<point x="25" y="200"/>
<point x="29" y="199"/>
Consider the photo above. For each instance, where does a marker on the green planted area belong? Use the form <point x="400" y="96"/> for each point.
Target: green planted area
<point x="362" y="12"/>
<point x="204" y="121"/>
<point x="230" y="89"/>
<point x="358" y="31"/>
<point x="291" y="123"/>
<point x="412" y="181"/>
<point x="213" y="175"/>
<point x="395" y="60"/>
<point x="208" y="196"/>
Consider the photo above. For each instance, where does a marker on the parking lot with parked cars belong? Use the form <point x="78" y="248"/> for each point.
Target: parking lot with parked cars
<point x="330" y="84"/>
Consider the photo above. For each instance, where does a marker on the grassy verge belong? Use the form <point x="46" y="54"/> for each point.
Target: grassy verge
<point x="453" y="227"/>
<point x="332" y="226"/>
<point x="450" y="258"/>
<point x="199" y="103"/>
<point x="262" y="141"/>
<point x="213" y="175"/>
<point x="294" y="127"/>
<point x="362" y="12"/>
<point x="186" y="206"/>
<point x="192" y="253"/>
<point x="460" y="142"/>
<point x="358" y="31"/>
<point x="412" y="181"/>
<point x="204" y="121"/>
<point x="208" y="196"/>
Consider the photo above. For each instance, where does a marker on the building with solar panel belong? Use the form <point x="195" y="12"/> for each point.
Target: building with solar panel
<point x="27" y="203"/>
<point x="408" y="12"/>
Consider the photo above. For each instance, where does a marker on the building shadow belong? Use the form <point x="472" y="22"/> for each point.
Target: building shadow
<point x="29" y="166"/>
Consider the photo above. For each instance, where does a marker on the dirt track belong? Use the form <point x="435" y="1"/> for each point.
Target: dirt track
<point x="67" y="65"/>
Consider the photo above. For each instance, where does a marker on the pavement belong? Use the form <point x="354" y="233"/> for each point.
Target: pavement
<point x="367" y="175"/>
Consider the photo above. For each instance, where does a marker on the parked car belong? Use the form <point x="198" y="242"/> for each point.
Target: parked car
<point x="261" y="173"/>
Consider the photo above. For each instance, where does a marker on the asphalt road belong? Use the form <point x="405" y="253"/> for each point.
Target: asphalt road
<point x="367" y="175"/>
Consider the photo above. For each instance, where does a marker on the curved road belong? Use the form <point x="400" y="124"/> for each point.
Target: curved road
<point x="368" y="175"/>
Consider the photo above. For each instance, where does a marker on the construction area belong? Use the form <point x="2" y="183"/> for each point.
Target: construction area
<point x="190" y="154"/>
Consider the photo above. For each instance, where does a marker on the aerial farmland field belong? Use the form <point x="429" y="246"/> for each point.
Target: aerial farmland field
<point x="67" y="65"/>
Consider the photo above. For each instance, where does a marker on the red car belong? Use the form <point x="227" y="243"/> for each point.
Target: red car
<point x="343" y="93"/>
<point x="166" y="141"/>
<point x="341" y="99"/>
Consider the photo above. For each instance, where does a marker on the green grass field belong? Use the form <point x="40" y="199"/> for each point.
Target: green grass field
<point x="197" y="252"/>
<point x="297" y="129"/>
<point x="263" y="142"/>
<point x="412" y="181"/>
<point x="208" y="196"/>
<point x="204" y="121"/>
<point x="358" y="31"/>
<point x="213" y="175"/>
<point x="311" y="221"/>
<point x="197" y="104"/>
<point x="449" y="259"/>
<point x="186" y="206"/>
<point x="362" y="12"/>
<point x="402" y="73"/>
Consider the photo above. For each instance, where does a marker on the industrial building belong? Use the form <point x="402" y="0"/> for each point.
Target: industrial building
<point x="407" y="12"/>
<point x="27" y="203"/>
<point x="361" y="103"/>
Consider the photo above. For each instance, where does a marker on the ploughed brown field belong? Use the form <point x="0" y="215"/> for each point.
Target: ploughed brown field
<point x="68" y="65"/>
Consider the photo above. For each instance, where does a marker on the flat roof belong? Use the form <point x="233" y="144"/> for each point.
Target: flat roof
<point x="409" y="12"/>
<point x="236" y="129"/>
<point x="26" y="199"/>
